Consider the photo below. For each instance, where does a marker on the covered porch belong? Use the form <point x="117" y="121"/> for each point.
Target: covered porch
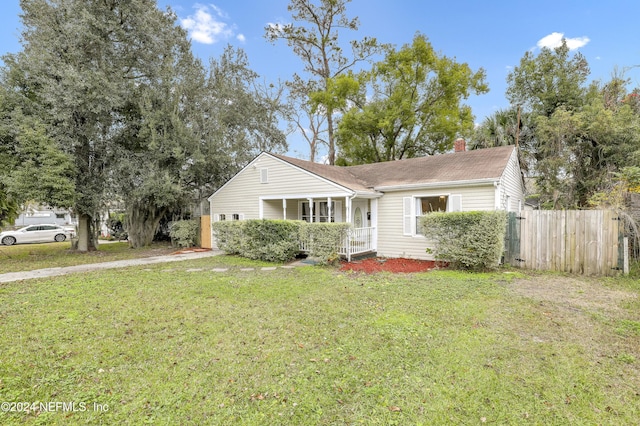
<point x="359" y="211"/>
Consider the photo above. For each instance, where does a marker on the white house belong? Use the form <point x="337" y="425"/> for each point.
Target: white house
<point x="381" y="200"/>
<point x="44" y="215"/>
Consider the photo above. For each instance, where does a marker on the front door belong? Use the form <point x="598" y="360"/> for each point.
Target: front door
<point x="359" y="219"/>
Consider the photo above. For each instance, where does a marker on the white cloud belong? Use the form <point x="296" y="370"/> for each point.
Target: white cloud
<point x="207" y="25"/>
<point x="241" y="38"/>
<point x="554" y="40"/>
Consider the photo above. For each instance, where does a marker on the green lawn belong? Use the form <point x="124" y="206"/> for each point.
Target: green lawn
<point x="27" y="257"/>
<point x="171" y="344"/>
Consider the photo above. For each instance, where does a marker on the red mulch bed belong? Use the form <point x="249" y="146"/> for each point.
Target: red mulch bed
<point x="401" y="265"/>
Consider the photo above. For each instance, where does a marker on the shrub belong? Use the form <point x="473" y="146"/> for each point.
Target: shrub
<point x="228" y="236"/>
<point x="115" y="226"/>
<point x="184" y="233"/>
<point x="470" y="240"/>
<point x="260" y="239"/>
<point x="270" y="240"/>
<point x="324" y="239"/>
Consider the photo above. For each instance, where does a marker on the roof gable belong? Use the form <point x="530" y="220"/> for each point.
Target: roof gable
<point x="285" y="174"/>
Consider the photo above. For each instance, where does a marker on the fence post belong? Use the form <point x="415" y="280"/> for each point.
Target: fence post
<point x="625" y="268"/>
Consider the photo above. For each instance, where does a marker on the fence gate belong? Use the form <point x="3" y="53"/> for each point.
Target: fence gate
<point x="512" y="239"/>
<point x="576" y="241"/>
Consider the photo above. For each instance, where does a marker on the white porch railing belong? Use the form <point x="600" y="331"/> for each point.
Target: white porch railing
<point x="357" y="240"/>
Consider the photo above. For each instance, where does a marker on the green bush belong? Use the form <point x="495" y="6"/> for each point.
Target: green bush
<point x="260" y="239"/>
<point x="279" y="240"/>
<point x="184" y="233"/>
<point x="115" y="225"/>
<point x="270" y="240"/>
<point x="228" y="236"/>
<point x="324" y="239"/>
<point x="469" y="240"/>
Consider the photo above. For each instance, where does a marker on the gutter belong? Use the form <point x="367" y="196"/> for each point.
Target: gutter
<point x="470" y="182"/>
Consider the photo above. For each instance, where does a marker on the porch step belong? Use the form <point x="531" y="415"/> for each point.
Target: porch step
<point x="362" y="256"/>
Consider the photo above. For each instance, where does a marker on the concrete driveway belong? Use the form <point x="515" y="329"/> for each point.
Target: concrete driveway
<point x="53" y="272"/>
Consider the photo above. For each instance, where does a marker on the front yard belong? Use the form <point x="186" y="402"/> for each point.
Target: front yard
<point x="27" y="257"/>
<point x="185" y="343"/>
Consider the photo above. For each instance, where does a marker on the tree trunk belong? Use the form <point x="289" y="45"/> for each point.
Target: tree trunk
<point x="142" y="226"/>
<point x="332" y="146"/>
<point x="86" y="237"/>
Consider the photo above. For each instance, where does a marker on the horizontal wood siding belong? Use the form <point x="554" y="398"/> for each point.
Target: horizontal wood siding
<point x="512" y="185"/>
<point x="392" y="242"/>
<point x="241" y="194"/>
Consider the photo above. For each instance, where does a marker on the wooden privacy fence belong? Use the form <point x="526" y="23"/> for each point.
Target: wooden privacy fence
<point x="205" y="231"/>
<point x="585" y="242"/>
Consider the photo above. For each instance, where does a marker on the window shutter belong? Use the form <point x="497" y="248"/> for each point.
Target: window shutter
<point x="264" y="175"/>
<point x="455" y="203"/>
<point x="408" y="221"/>
<point x="216" y="217"/>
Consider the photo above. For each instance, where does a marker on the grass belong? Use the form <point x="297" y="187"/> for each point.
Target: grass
<point x="182" y="344"/>
<point x="27" y="257"/>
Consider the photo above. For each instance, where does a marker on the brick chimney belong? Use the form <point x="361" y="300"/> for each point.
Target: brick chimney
<point x="460" y="145"/>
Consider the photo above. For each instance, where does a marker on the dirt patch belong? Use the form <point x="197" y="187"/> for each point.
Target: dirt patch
<point x="191" y="250"/>
<point x="572" y="293"/>
<point x="401" y="265"/>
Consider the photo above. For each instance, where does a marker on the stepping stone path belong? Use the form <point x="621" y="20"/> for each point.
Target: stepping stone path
<point x="264" y="268"/>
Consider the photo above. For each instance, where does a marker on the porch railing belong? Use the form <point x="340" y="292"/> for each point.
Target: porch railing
<point x="357" y="240"/>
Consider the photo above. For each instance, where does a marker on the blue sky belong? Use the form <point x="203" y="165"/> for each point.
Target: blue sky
<point x="493" y="35"/>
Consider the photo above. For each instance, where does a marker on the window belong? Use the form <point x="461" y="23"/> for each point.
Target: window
<point x="305" y="212"/>
<point x="321" y="211"/>
<point x="414" y="207"/>
<point x="431" y="204"/>
<point x="222" y="217"/>
<point x="59" y="215"/>
<point x="426" y="205"/>
<point x="235" y="216"/>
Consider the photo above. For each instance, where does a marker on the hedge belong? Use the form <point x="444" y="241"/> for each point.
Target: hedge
<point x="279" y="240"/>
<point x="268" y="240"/>
<point x="324" y="239"/>
<point x="469" y="240"/>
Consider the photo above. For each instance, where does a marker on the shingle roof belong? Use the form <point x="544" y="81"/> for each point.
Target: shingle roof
<point x="479" y="164"/>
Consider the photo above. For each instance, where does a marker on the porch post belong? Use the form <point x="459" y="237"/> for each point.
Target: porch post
<point x="329" y="208"/>
<point x="348" y="209"/>
<point x="284" y="209"/>
<point x="374" y="223"/>
<point x="310" y="209"/>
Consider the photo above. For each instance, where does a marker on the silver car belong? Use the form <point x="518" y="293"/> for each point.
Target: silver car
<point x="35" y="234"/>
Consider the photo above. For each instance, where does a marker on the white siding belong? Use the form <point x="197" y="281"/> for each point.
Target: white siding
<point x="242" y="193"/>
<point x="511" y="185"/>
<point x="392" y="242"/>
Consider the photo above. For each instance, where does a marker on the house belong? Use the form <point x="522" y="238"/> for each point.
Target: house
<point x="41" y="214"/>
<point x="381" y="200"/>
